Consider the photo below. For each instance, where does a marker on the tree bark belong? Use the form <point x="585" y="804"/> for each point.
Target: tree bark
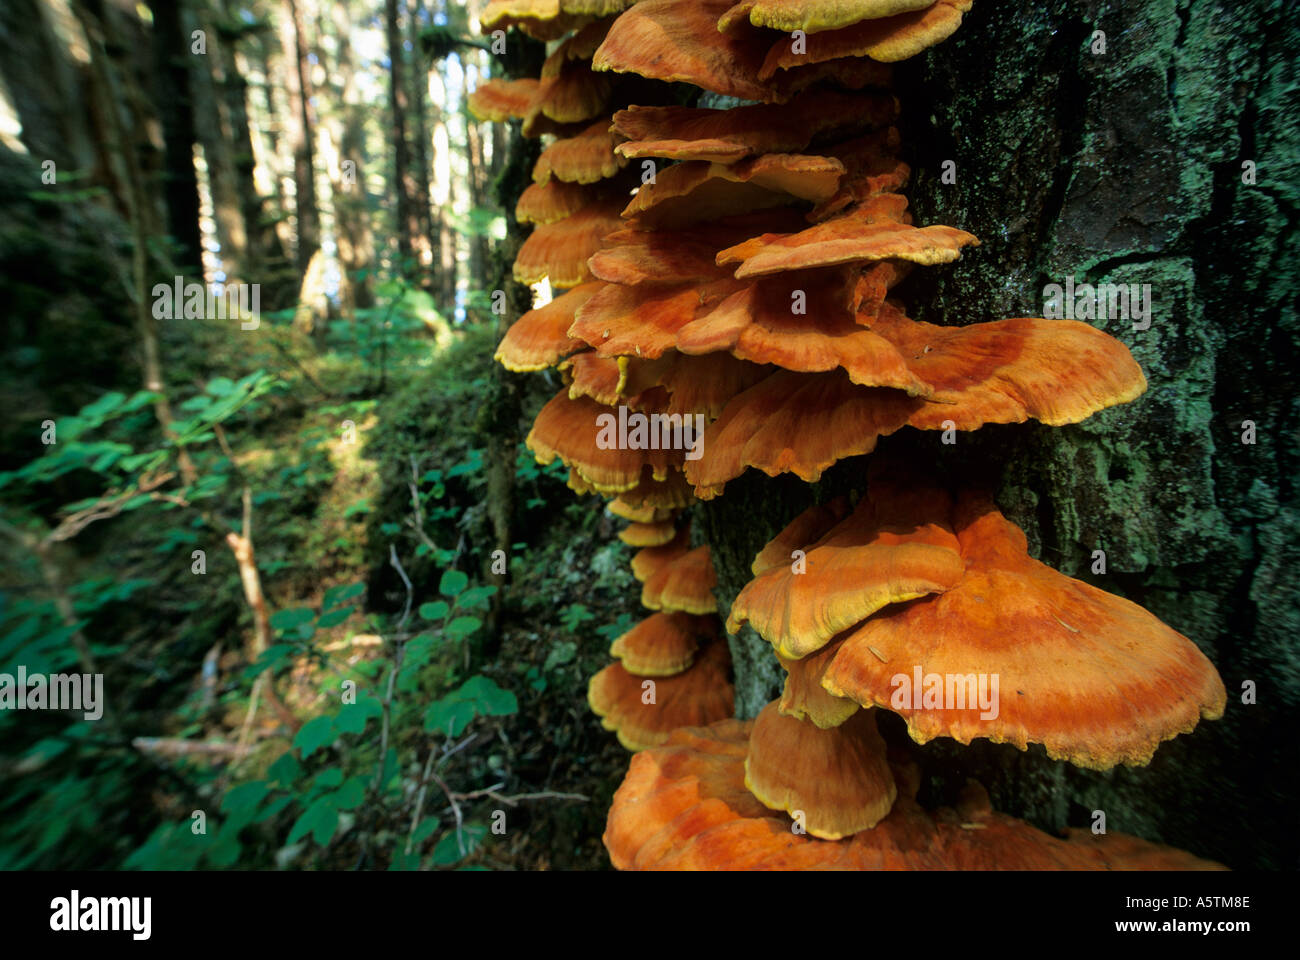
<point x="425" y="243"/>
<point x="1125" y="167"/>
<point x="356" y="247"/>
<point x="298" y="87"/>
<point x="172" y="95"/>
<point x="408" y="225"/>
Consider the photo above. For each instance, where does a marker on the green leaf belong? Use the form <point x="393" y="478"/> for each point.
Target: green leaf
<point x="320" y="819"/>
<point x="350" y="719"/>
<point x="285" y="770"/>
<point x="491" y="700"/>
<point x="449" y="715"/>
<point x="289" y="619"/>
<point x="351" y="793"/>
<point x="240" y="803"/>
<point x="434" y="611"/>
<point x="272" y="658"/>
<point x="453" y="582"/>
<point x="315" y="733"/>
<point x="328" y="779"/>
<point x="335" y="617"/>
<point x="424" y="830"/>
<point x="342" y="593"/>
<point x="462" y="627"/>
<point x="475" y="597"/>
<point x="273" y="808"/>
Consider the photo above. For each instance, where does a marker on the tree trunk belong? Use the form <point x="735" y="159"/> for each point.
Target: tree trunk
<point x="424" y="242"/>
<point x="407" y="225"/>
<point x="207" y="77"/>
<point x="297" y="76"/>
<point x="499" y="419"/>
<point x="356" y="247"/>
<point x="171" y="43"/>
<point x="1124" y="166"/>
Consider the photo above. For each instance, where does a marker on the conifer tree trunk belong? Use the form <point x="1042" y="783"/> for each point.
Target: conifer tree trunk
<point x="408" y="224"/>
<point x="298" y="86"/>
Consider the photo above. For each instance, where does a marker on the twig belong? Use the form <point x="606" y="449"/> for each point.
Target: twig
<point x="416" y="522"/>
<point x="455" y="808"/>
<point x="544" y="795"/>
<point x="419" y="801"/>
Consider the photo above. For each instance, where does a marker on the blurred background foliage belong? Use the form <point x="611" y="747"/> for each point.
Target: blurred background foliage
<point x="324" y="644"/>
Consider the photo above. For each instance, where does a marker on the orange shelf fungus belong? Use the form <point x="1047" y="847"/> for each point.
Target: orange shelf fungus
<point x="813" y="16"/>
<point x="1093" y="677"/>
<point x="639" y="513"/>
<point x="547" y="19"/>
<point x="833" y="781"/>
<point x="663" y="644"/>
<point x="697" y="190"/>
<point x="585" y="157"/>
<point x="726" y="136"/>
<point x="803" y="696"/>
<point x="644" y="711"/>
<point x="650" y="560"/>
<point x="897" y="545"/>
<point x="559" y="250"/>
<point x="684" y="806"/>
<point x="887" y="39"/>
<point x="568" y="429"/>
<point x="808" y="526"/>
<point x="685" y="583"/>
<point x="648" y="534"/>
<point x="540" y="338"/>
<point x="500" y="100"/>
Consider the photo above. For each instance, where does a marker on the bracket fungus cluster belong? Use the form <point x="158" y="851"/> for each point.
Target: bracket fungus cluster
<point x="727" y="276"/>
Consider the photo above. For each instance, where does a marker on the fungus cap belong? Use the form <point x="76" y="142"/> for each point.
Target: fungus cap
<point x="804" y="698"/>
<point x="499" y="100"/>
<point x="684" y="806"/>
<point x="897" y="545"/>
<point x="701" y="694"/>
<point x="586" y="157"/>
<point x="560" y="250"/>
<point x="648" y="534"/>
<point x="568" y="429"/>
<point x="540" y="338"/>
<point x="888" y="40"/>
<point x="813" y="16"/>
<point x="1093" y="677"/>
<point x="650" y="560"/>
<point x="725" y="136"/>
<point x="809" y="526"/>
<point x="837" y="777"/>
<point x="685" y="583"/>
<point x="678" y="41"/>
<point x="663" y="644"/>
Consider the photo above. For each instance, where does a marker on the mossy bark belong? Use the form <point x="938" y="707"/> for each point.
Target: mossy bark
<point x="1124" y="167"/>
